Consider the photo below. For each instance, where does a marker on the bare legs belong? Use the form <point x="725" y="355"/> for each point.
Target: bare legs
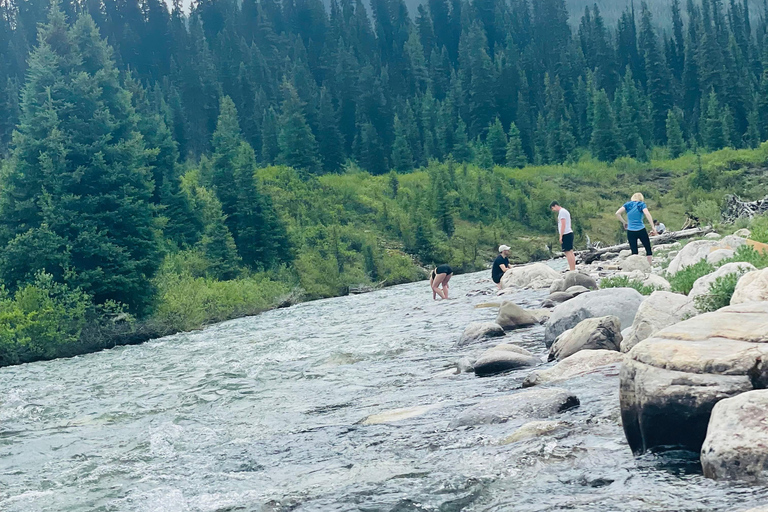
<point x="440" y="279"/>
<point x="571" y="257"/>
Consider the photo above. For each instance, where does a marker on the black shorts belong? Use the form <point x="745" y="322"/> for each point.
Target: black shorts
<point x="443" y="269"/>
<point x="567" y="244"/>
<point x="642" y="235"/>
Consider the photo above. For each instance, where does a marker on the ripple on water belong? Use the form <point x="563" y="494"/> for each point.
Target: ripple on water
<point x="268" y="414"/>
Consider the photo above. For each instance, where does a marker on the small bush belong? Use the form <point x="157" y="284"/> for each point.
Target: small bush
<point x="708" y="212"/>
<point x="759" y="229"/>
<point x="625" y="282"/>
<point x="748" y="254"/>
<point x="720" y="293"/>
<point x="682" y="281"/>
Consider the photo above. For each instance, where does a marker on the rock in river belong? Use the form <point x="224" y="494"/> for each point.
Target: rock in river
<point x="574" y="278"/>
<point x="532" y="403"/>
<point x="536" y="429"/>
<point x="512" y="316"/>
<point x="671" y="382"/>
<point x="736" y="447"/>
<point x="580" y="363"/>
<point x="620" y="302"/>
<point x="590" y="334"/>
<point x="658" y="311"/>
<point x="536" y="276"/>
<point x="504" y="358"/>
<point x="477" y="331"/>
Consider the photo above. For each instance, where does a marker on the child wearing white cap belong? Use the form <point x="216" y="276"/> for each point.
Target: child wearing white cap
<point x="500" y="265"/>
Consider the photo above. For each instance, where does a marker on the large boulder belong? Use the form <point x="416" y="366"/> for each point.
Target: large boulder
<point x="601" y="333"/>
<point x="512" y="316"/>
<point x="477" y="331"/>
<point x="736" y="446"/>
<point x="574" y="278"/>
<point x="531" y="403"/>
<point x="719" y="255"/>
<point x="752" y="287"/>
<point x="700" y="249"/>
<point x="621" y="302"/>
<point x="580" y="363"/>
<point x="657" y="282"/>
<point x="636" y="262"/>
<point x="536" y="276"/>
<point x="658" y="311"/>
<point x="671" y="382"/>
<point x="702" y="284"/>
<point x="504" y="358"/>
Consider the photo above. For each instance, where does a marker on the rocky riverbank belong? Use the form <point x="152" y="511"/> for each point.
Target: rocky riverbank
<point x="689" y="380"/>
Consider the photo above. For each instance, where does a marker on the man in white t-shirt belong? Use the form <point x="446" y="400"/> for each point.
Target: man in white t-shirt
<point x="566" y="233"/>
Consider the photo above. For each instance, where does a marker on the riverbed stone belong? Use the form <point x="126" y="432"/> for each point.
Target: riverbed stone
<point x="580" y="363"/>
<point x="601" y="333"/>
<point x="577" y="290"/>
<point x="536" y="429"/>
<point x="541" y="315"/>
<point x="636" y="263"/>
<point x="659" y="310"/>
<point x="396" y="415"/>
<point x="702" y="284"/>
<point x="621" y="302"/>
<point x="752" y="287"/>
<point x="657" y="282"/>
<point x="736" y="446"/>
<point x="535" y="276"/>
<point x="477" y="331"/>
<point x="558" y="285"/>
<point x="504" y="358"/>
<point x="671" y="381"/>
<point x="719" y="255"/>
<point x="511" y="316"/>
<point x="575" y="278"/>
<point x="532" y="403"/>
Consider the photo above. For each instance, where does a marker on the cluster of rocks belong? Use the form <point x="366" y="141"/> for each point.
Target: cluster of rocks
<point x="687" y="380"/>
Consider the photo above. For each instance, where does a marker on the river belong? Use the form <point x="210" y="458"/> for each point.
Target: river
<point x="265" y="414"/>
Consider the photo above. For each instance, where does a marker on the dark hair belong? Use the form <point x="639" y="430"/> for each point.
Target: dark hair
<point x="553" y="204"/>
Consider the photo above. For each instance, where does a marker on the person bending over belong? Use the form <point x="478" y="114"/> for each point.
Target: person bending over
<point x="566" y="233"/>
<point x="500" y="265"/>
<point x="438" y="281"/>
<point x="635" y="225"/>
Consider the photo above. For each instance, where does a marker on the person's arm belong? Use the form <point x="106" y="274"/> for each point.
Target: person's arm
<point x="562" y="229"/>
<point x="619" y="214"/>
<point x="650" y="219"/>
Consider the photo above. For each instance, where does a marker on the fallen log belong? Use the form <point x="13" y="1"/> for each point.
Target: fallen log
<point x="591" y="255"/>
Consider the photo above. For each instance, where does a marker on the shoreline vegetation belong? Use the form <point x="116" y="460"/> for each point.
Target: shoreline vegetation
<point x="163" y="170"/>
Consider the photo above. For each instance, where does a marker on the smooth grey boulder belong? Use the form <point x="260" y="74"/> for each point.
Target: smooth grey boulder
<point x="504" y="358"/>
<point x="620" y="302"/>
<point x="511" y="316"/>
<point x="659" y="310"/>
<point x="574" y="278"/>
<point x="699" y="250"/>
<point x="752" y="287"/>
<point x="736" y="446"/>
<point x="477" y="331"/>
<point x="535" y="276"/>
<point x="600" y="333"/>
<point x="670" y="382"/>
<point x="577" y="290"/>
<point x="580" y="363"/>
<point x="532" y="403"/>
<point x="636" y="262"/>
<point x="719" y="255"/>
<point x="657" y="282"/>
<point x="559" y="297"/>
<point x="558" y="285"/>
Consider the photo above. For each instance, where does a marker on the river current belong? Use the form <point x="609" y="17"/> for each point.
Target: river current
<point x="267" y="414"/>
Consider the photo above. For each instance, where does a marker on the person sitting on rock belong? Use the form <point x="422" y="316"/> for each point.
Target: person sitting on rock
<point x="500" y="265"/>
<point x="660" y="227"/>
<point x="635" y="226"/>
<point x="438" y="281"/>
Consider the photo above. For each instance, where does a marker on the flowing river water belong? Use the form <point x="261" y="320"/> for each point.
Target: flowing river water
<point x="265" y="414"/>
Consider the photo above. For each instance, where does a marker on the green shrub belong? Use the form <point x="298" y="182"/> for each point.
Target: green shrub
<point x="682" y="281"/>
<point x="759" y="229"/>
<point x="708" y="212"/>
<point x="625" y="282"/>
<point x="748" y="254"/>
<point x="720" y="293"/>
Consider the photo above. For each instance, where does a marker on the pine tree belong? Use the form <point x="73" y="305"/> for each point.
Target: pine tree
<point x="713" y="134"/>
<point x="270" y="148"/>
<point x="675" y="140"/>
<point x="496" y="140"/>
<point x="605" y="137"/>
<point x="298" y="147"/>
<point x="370" y="152"/>
<point x="402" y="158"/>
<point x="462" y="150"/>
<point x="483" y="155"/>
<point x="80" y="173"/>
<point x="515" y="155"/>
<point x="330" y="142"/>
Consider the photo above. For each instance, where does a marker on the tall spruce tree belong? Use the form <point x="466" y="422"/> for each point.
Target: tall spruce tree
<point x="675" y="139"/>
<point x="402" y="157"/>
<point x="515" y="155"/>
<point x="605" y="142"/>
<point x="297" y="143"/>
<point x="496" y="140"/>
<point x="80" y="176"/>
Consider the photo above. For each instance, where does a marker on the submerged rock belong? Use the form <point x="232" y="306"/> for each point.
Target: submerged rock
<point x="580" y="363"/>
<point x="659" y="310"/>
<point x="752" y="287"/>
<point x="532" y="403"/>
<point x="736" y="446"/>
<point x="504" y="358"/>
<point x="535" y="276"/>
<point x="477" y="331"/>
<point x="671" y="382"/>
<point x="621" y="302"/>
<point x="590" y="334"/>
<point x="396" y="415"/>
<point x="536" y="429"/>
<point x="512" y="316"/>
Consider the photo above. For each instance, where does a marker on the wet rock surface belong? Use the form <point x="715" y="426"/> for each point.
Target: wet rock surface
<point x="533" y="403"/>
<point x="601" y="333"/>
<point x="580" y="363"/>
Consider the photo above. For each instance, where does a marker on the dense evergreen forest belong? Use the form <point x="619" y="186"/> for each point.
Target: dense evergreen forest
<point x="182" y="169"/>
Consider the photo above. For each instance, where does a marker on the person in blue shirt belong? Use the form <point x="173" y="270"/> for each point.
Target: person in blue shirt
<point x="636" y="209"/>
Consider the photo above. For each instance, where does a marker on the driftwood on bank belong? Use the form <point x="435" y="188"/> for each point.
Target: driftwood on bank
<point x="736" y="209"/>
<point x="591" y="255"/>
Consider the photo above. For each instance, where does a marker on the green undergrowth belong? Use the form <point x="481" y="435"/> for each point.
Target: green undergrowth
<point x="625" y="282"/>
